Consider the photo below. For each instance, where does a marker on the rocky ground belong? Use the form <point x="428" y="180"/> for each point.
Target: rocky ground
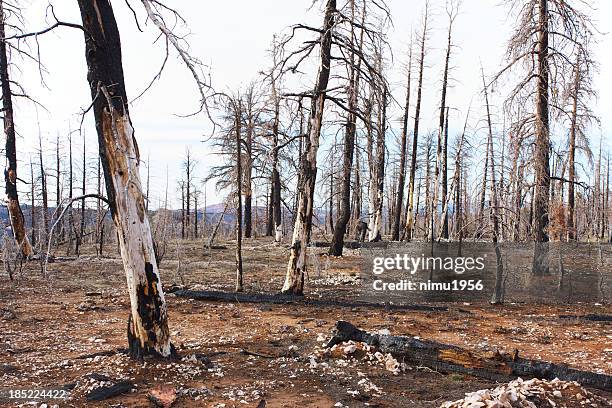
<point x="69" y="331"/>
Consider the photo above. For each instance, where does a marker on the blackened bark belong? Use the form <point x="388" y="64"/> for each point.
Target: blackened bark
<point x="344" y="213"/>
<point x="445" y="179"/>
<point x="237" y="129"/>
<point x="148" y="331"/>
<point x="10" y="172"/>
<point x="542" y="148"/>
<point x="415" y="135"/>
<point x="398" y="222"/>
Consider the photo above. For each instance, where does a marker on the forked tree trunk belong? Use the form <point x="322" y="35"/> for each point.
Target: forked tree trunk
<point x="542" y="149"/>
<point x="296" y="268"/>
<point x="148" y="324"/>
<point x="10" y="172"/>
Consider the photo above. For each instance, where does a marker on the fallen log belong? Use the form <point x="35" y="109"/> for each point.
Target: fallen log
<point x="326" y="244"/>
<point x="102" y="393"/>
<point x="591" y="317"/>
<point x="242" y="297"/>
<point x="452" y="359"/>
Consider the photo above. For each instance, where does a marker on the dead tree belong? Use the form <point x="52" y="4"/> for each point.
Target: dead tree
<point x="10" y="172"/>
<point x="498" y="295"/>
<point x="148" y="324"/>
<point x="296" y="268"/>
<point x="442" y="129"/>
<point x="545" y="43"/>
<point x="415" y="134"/>
<point x="237" y="107"/>
<point x="377" y="178"/>
<point x="44" y="195"/>
<point x="398" y="223"/>
<point x="354" y="77"/>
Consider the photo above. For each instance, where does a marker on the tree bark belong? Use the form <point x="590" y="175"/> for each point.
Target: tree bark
<point x="238" y="130"/>
<point x="448" y="358"/>
<point x="542" y="149"/>
<point x="571" y="224"/>
<point x="415" y="135"/>
<point x="344" y="214"/>
<point x="148" y="323"/>
<point x="401" y="180"/>
<point x="10" y="172"/>
<point x="296" y="268"/>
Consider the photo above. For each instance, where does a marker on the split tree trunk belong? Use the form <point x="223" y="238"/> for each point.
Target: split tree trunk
<point x="296" y="268"/>
<point x="148" y="324"/>
<point x="10" y="171"/>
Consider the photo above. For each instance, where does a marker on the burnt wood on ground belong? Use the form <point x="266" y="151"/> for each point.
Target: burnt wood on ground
<point x="448" y="358"/>
<point x="218" y="296"/>
<point x="590" y="317"/>
<point x="102" y="393"/>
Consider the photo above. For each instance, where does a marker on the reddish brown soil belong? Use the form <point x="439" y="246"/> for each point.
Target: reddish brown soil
<point x="83" y="309"/>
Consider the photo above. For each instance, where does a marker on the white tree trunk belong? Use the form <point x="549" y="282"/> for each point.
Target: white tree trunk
<point x="148" y="321"/>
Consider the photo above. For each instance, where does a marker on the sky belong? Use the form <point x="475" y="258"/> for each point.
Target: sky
<point x="232" y="39"/>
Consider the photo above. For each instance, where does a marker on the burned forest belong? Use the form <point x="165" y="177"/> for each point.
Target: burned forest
<point x="314" y="203"/>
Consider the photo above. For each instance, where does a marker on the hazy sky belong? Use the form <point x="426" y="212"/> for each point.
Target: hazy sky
<point x="232" y="38"/>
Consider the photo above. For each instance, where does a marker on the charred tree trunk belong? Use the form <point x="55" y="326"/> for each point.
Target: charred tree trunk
<point x="248" y="170"/>
<point x="238" y="130"/>
<point x="83" y="191"/>
<point x="445" y="179"/>
<point x="269" y="211"/>
<point x="498" y="295"/>
<point x="10" y="172"/>
<point x="571" y="223"/>
<point x="296" y="268"/>
<point x="148" y="323"/>
<point x="70" y="226"/>
<point x="415" y="135"/>
<point x="344" y="214"/>
<point x="542" y="149"/>
<point x="447" y="358"/>
<point x="276" y="182"/>
<point x="33" y="203"/>
<point x="44" y="195"/>
<point x="376" y="224"/>
<point x="398" y="222"/>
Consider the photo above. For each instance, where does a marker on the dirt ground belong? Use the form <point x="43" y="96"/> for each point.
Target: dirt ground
<point x="236" y="355"/>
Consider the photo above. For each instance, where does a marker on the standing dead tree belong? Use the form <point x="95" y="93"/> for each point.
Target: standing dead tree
<point x="10" y="171"/>
<point x="296" y="268"/>
<point x="148" y="324"/>
<point x="548" y="36"/>
<point x="398" y="223"/>
<point x="415" y="135"/>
